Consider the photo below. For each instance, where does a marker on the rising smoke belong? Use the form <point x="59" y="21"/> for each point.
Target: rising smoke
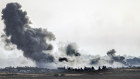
<point x="32" y="41"/>
<point x="71" y="50"/>
<point x="115" y="58"/>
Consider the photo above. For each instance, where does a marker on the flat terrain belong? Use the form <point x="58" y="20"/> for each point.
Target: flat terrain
<point x="108" y="74"/>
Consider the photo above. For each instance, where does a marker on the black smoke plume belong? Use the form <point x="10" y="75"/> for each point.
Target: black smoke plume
<point x="72" y="51"/>
<point x="111" y="53"/>
<point x="32" y="41"/>
<point x="63" y="59"/>
<point x="115" y="58"/>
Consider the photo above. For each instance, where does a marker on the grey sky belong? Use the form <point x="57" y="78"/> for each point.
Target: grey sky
<point x="95" y="25"/>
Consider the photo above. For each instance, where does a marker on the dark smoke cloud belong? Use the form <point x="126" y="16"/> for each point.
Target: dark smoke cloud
<point x="32" y="41"/>
<point x="133" y="61"/>
<point x="115" y="58"/>
<point x="8" y="45"/>
<point x="94" y="61"/>
<point x="111" y="53"/>
<point x="63" y="59"/>
<point x="71" y="50"/>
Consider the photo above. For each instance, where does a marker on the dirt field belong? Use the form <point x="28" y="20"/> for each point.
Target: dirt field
<point x="109" y="74"/>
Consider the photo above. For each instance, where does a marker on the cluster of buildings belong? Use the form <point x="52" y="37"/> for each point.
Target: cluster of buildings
<point x="25" y="69"/>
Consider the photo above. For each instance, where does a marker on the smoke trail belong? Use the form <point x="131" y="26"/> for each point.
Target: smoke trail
<point x="32" y="41"/>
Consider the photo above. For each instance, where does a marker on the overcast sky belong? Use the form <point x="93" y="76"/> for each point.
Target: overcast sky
<point x="95" y="25"/>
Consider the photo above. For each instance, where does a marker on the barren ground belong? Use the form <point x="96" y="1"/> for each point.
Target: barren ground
<point x="109" y="74"/>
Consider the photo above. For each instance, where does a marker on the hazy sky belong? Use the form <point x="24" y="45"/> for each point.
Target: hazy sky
<point x="95" y="25"/>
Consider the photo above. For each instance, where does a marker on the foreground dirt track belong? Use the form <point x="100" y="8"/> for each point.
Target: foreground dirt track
<point x="110" y="74"/>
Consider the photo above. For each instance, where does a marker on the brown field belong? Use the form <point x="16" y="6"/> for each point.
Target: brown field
<point x="109" y="74"/>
